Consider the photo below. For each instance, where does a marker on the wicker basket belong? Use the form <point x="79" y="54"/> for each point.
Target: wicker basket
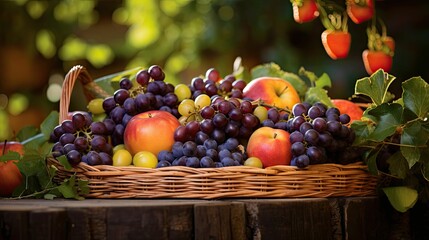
<point x="323" y="180"/>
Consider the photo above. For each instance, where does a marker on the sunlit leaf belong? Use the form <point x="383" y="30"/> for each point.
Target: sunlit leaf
<point x="50" y="122"/>
<point x="323" y="81"/>
<point x="390" y="117"/>
<point x="375" y="86"/>
<point x="416" y="96"/>
<point x="315" y="94"/>
<point x="402" y="198"/>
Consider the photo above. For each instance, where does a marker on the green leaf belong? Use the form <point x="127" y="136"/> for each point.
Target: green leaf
<point x="324" y="81"/>
<point x="388" y="117"/>
<point x="49" y="196"/>
<point x="375" y="86"/>
<point x="64" y="162"/>
<point x="48" y="125"/>
<point x="31" y="163"/>
<point x="398" y="165"/>
<point x="274" y="70"/>
<point x="372" y="162"/>
<point x="68" y="189"/>
<point x="83" y="186"/>
<point x="315" y="94"/>
<point x="362" y="129"/>
<point x="416" y="96"/>
<point x="402" y="198"/>
<point x="10" y="155"/>
<point x="26" y="133"/>
<point x="414" y="137"/>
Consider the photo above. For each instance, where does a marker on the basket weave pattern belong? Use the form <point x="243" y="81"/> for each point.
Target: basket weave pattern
<point x="323" y="180"/>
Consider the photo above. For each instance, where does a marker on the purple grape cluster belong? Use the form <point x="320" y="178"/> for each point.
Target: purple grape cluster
<point x="213" y="85"/>
<point x="151" y="93"/>
<point x="319" y="134"/>
<point x="215" y="140"/>
<point x="82" y="140"/>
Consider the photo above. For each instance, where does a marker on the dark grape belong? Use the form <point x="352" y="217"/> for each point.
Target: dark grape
<point x="78" y="121"/>
<point x="74" y="157"/>
<point x="170" y="99"/>
<point x="198" y="83"/>
<point x="68" y="126"/>
<point x="207" y="162"/>
<point x="302" y="161"/>
<point x="213" y="74"/>
<point x="156" y="73"/>
<point x="67" y="138"/>
<point x="311" y="136"/>
<point x="210" y="144"/>
<point x="319" y="124"/>
<point x="189" y="149"/>
<point x="93" y="158"/>
<point x="239" y="84"/>
<point x="68" y="147"/>
<point x="201" y="137"/>
<point x="305" y="126"/>
<point x="143" y="77"/>
<point x="207" y="112"/>
<point x="344" y="118"/>
<point x="177" y="149"/>
<point x="165" y="155"/>
<point x="120" y="96"/>
<point x="298" y="148"/>
<point x="130" y="106"/>
<point x="314" y="112"/>
<point x="207" y="126"/>
<point x="296" y="137"/>
<point x="81" y="144"/>
<point x="218" y="135"/>
<point x="181" y="161"/>
<point x="232" y="129"/>
<point x="125" y="83"/>
<point x="246" y="107"/>
<point x="334" y="127"/>
<point x="109" y="104"/>
<point x="180" y="134"/>
<point x="299" y="109"/>
<point x="273" y="115"/>
<point x="193" y="162"/>
<point x="231" y="143"/>
<point x="106" y="159"/>
<point x="228" y="161"/>
<point x="117" y="114"/>
<point x="250" y="121"/>
<point x="213" y="154"/>
<point x="219" y="120"/>
<point x="98" y="128"/>
<point x="153" y="87"/>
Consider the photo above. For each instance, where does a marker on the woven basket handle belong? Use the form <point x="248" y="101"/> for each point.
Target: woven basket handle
<point x="90" y="88"/>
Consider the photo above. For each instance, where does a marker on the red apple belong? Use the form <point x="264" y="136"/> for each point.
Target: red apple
<point x="273" y="91"/>
<point x="10" y="176"/>
<point x="348" y="107"/>
<point x="151" y="131"/>
<point x="271" y="146"/>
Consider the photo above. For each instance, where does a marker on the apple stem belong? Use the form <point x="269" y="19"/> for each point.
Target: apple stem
<point x="284" y="89"/>
<point x="275" y="135"/>
<point x="4" y="147"/>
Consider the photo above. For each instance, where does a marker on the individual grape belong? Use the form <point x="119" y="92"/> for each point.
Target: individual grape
<point x="202" y="101"/>
<point x="126" y="118"/>
<point x="319" y="124"/>
<point x="67" y="138"/>
<point x="315" y="155"/>
<point x="163" y="163"/>
<point x="189" y="149"/>
<point x="344" y="132"/>
<point x="219" y="120"/>
<point x="121" y="95"/>
<point x="211" y="89"/>
<point x="78" y="121"/>
<point x="296" y="123"/>
<point x="325" y="139"/>
<point x="58" y="131"/>
<point x="130" y="106"/>
<point x="210" y="144"/>
<point x="142" y="102"/>
<point x="187" y="107"/>
<point x="176" y="149"/>
<point x="302" y="161"/>
<point x="250" y="121"/>
<point x="169" y="87"/>
<point x="200" y="137"/>
<point x="299" y="109"/>
<point x="225" y="86"/>
<point x="57" y="150"/>
<point x="193" y="162"/>
<point x="109" y="104"/>
<point x="298" y="148"/>
<point x="224" y="153"/>
<point x="198" y="84"/>
<point x="118" y="135"/>
<point x="74" y="157"/>
<point x="68" y="126"/>
<point x="228" y="162"/>
<point x="95" y="106"/>
<point x="207" y="126"/>
<point x="180" y="134"/>
<point x="143" y="77"/>
<point x="239" y="84"/>
<point x="314" y="112"/>
<point x="156" y="73"/>
<point x="332" y="110"/>
<point x="207" y="162"/>
<point x="268" y="123"/>
<point x="235" y="93"/>
<point x="165" y="155"/>
<point x="245" y="132"/>
<point x="322" y="107"/>
<point x="213" y="75"/>
<point x="68" y="147"/>
<point x="98" y="128"/>
<point x="231" y="143"/>
<point x="207" y="112"/>
<point x="182" y="91"/>
<point x="281" y="125"/>
<point x="296" y="137"/>
<point x="237" y="156"/>
<point x="106" y="159"/>
<point x="213" y="154"/>
<point x="334" y="127"/>
<point x="261" y="112"/>
<point x="311" y="136"/>
<point x="273" y="114"/>
<point x="93" y="158"/>
<point x="235" y="114"/>
<point x="218" y="135"/>
<point x="153" y="87"/>
<point x="201" y="151"/>
<point x="170" y="99"/>
<point x="224" y="107"/>
<point x="125" y="83"/>
<point x="181" y="161"/>
<point x="117" y="114"/>
<point x="344" y="118"/>
<point x="232" y="129"/>
<point x="98" y="143"/>
<point x="81" y="144"/>
<point x="110" y="125"/>
<point x="246" y="107"/>
<point x="305" y="126"/>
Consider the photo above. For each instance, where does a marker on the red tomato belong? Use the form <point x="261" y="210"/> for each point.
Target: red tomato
<point x="304" y="10"/>
<point x="336" y="43"/>
<point x="374" y="60"/>
<point x="360" y="11"/>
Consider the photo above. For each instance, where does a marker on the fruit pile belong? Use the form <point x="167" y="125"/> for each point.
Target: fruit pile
<point x="211" y="122"/>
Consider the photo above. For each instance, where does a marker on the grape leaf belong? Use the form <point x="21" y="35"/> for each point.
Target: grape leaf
<point x="26" y="133"/>
<point x="372" y="162"/>
<point x="63" y="161"/>
<point x="31" y="163"/>
<point x="324" y="81"/>
<point x="274" y="70"/>
<point x="10" y="155"/>
<point x="416" y="96"/>
<point x="414" y="136"/>
<point x="315" y="94"/>
<point x="402" y="198"/>
<point x="48" y="125"/>
<point x="398" y="165"/>
<point x="362" y="129"/>
<point x="388" y="117"/>
<point x="68" y="189"/>
<point x="375" y="86"/>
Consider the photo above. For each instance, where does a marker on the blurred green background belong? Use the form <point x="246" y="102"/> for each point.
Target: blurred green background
<point x="41" y="40"/>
